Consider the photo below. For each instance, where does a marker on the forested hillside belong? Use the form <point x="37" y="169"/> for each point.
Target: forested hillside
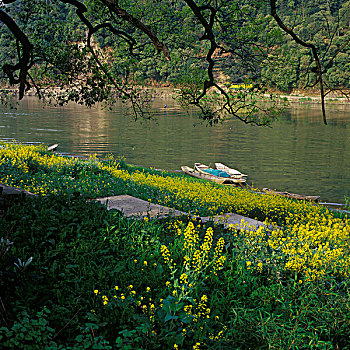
<point x="324" y="23"/>
<point x="94" y="46"/>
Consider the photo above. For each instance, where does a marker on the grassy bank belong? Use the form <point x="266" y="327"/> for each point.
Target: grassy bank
<point x="99" y="280"/>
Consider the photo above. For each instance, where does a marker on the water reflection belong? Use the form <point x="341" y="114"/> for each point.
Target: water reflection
<point x="298" y="154"/>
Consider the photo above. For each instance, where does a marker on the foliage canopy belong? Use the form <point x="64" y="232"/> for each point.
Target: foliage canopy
<point x="99" y="50"/>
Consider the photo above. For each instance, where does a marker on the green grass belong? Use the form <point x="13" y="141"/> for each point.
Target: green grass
<point x="98" y="280"/>
<point x="79" y="247"/>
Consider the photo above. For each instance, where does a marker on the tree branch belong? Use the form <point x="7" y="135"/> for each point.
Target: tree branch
<point x="26" y="48"/>
<point x="229" y="104"/>
<point x="121" y="13"/>
<point x="80" y="10"/>
<point x="208" y="35"/>
<point x="310" y="46"/>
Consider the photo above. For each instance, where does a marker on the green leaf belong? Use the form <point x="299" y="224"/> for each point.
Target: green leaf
<point x="176" y="306"/>
<point x="119" y="340"/>
<point x="187" y="319"/>
<point x="79" y="338"/>
<point x="160" y="270"/>
<point x="169" y="317"/>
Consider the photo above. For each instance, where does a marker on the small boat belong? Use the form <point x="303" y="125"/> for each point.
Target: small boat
<point x="292" y="195"/>
<point x="217" y="172"/>
<point x="207" y="176"/>
<point x="233" y="172"/>
<point x="52" y="147"/>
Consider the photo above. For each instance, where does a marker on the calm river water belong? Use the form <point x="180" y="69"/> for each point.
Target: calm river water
<point x="298" y="154"/>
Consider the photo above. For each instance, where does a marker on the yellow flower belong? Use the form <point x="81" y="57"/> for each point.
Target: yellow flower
<point x="148" y="289"/>
<point x="96" y="291"/>
<point x="183" y="278"/>
<point x="104" y="299"/>
<point x="165" y="253"/>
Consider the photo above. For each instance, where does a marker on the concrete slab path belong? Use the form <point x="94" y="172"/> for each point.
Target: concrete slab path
<point x="131" y="206"/>
<point x="135" y="207"/>
<point x="8" y="190"/>
<point x="241" y="222"/>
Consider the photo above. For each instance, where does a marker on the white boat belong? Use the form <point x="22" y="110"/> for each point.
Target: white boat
<point x="52" y="147"/>
<point x="207" y="176"/>
<point x="220" y="174"/>
<point x="233" y="172"/>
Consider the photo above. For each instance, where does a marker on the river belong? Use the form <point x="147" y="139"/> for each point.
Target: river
<point x="298" y="154"/>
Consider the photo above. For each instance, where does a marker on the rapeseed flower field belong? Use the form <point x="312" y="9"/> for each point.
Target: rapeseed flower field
<point x="313" y="239"/>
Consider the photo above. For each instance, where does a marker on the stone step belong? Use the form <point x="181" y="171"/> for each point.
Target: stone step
<point x="12" y="191"/>
<point x="236" y="220"/>
<point x="135" y="207"/>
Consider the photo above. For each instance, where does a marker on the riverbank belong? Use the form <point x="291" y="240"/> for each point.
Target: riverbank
<point x="84" y="277"/>
<point x="295" y="97"/>
<point x="305" y="97"/>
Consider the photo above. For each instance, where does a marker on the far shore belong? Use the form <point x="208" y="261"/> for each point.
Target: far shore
<point x="295" y="97"/>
